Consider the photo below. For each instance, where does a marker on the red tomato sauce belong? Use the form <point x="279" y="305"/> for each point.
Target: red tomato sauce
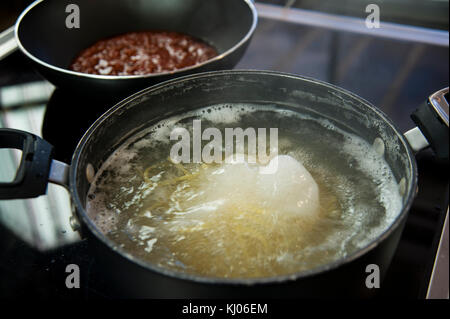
<point x="139" y="53"/>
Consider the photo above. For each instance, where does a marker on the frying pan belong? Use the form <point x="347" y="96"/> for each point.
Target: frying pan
<point x="42" y="35"/>
<point x="135" y="278"/>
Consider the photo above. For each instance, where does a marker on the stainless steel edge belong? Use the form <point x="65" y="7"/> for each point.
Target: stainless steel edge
<point x="352" y="24"/>
<point x="440" y="104"/>
<point x="59" y="173"/>
<point x="8" y="43"/>
<point x="438" y="287"/>
<point x="416" y="139"/>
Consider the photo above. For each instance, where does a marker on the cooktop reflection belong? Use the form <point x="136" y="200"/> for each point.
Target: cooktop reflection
<point x="68" y="116"/>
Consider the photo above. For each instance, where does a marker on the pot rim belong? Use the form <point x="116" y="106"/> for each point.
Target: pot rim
<point x="409" y="193"/>
<point x="234" y="48"/>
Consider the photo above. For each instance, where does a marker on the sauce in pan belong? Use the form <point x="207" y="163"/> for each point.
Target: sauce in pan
<point x="139" y="53"/>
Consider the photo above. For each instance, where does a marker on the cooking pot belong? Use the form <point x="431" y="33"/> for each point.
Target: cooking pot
<point x="135" y="278"/>
<point x="43" y="36"/>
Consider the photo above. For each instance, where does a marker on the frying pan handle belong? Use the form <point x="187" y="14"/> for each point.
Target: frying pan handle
<point x="432" y="120"/>
<point x="35" y="166"/>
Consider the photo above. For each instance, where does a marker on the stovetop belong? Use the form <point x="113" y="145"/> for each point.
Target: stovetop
<point x="37" y="243"/>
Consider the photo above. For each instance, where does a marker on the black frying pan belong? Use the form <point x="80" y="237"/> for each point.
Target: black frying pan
<point x="43" y="36"/>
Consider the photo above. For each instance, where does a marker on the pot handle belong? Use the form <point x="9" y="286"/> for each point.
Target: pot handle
<point x="36" y="167"/>
<point x="432" y="123"/>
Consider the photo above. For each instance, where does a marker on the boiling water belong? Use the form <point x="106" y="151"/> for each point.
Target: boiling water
<point x="227" y="220"/>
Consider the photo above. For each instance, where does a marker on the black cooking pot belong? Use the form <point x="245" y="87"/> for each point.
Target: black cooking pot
<point x="135" y="278"/>
<point x="42" y="35"/>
